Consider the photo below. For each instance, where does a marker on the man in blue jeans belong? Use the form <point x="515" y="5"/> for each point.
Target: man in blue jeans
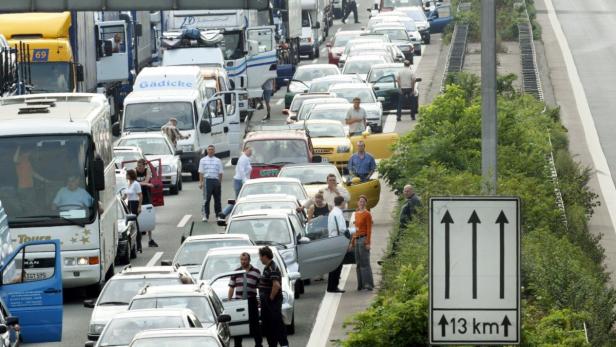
<point x="242" y="174"/>
<point x="210" y="180"/>
<point x="406" y="82"/>
<point x="362" y="164"/>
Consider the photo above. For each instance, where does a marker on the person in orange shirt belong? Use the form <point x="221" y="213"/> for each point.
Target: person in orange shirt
<point x="25" y="176"/>
<point x="361" y="244"/>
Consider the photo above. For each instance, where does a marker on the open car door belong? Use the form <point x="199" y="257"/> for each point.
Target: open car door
<point x="156" y="192"/>
<point x="32" y="289"/>
<point x="232" y="121"/>
<point x="317" y="252"/>
<point x="378" y="145"/>
<point x="236" y="308"/>
<point x="439" y="18"/>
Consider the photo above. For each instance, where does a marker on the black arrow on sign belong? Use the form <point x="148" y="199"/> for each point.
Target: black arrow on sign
<point x="447" y="220"/>
<point x="502" y="220"/>
<point x="506" y="324"/>
<point x="474" y="220"/>
<point x="443" y="323"/>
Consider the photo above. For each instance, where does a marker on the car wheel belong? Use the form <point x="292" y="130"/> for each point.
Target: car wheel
<point x="316" y="52"/>
<point x="133" y="251"/>
<point x="291" y="327"/>
<point x="194" y="176"/>
<point x="427" y="40"/>
<point x="180" y="183"/>
<point x="174" y="189"/>
<point x="311" y="55"/>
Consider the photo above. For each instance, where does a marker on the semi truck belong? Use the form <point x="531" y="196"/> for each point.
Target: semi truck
<point x="317" y="17"/>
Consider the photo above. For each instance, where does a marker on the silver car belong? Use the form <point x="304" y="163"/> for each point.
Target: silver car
<point x="176" y="337"/>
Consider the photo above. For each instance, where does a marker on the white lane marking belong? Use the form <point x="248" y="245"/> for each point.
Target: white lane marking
<point x="339" y="29"/>
<point x="315" y="60"/>
<point x="228" y="164"/>
<point x="155" y="258"/>
<point x="390" y="124"/>
<point x="602" y="169"/>
<point x="327" y="313"/>
<point x="323" y="50"/>
<point x="184" y="221"/>
<point x="279" y="102"/>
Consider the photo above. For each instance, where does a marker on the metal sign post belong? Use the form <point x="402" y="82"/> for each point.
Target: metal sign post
<point x="489" y="133"/>
<point x="475" y="270"/>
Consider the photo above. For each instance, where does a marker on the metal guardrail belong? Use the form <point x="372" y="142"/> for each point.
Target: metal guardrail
<point x="457" y="48"/>
<point x="531" y="81"/>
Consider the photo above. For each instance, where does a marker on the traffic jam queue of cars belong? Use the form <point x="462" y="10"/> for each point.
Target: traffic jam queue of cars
<point x="73" y="222"/>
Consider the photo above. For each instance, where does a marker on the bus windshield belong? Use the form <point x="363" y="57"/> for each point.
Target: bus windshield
<point x="51" y="77"/>
<point x="36" y="190"/>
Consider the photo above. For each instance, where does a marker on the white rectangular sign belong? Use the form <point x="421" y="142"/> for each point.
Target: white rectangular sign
<point x="474" y="270"/>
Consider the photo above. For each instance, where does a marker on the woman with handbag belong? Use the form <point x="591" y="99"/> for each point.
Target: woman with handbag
<point x="361" y="244"/>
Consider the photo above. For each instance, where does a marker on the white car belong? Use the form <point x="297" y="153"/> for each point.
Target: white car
<point x="360" y="64"/>
<point x="193" y="250"/>
<point x="321" y="85"/>
<point x="200" y="298"/>
<point x="123" y="327"/>
<point x="220" y="262"/>
<point x="157" y="146"/>
<point x="310" y="104"/>
<point x="264" y="202"/>
<point x="409" y="25"/>
<point x="300" y="83"/>
<point x="417" y="14"/>
<point x="121" y="288"/>
<point x="398" y="34"/>
<point x="176" y="337"/>
<point x="369" y="101"/>
<point x="274" y="185"/>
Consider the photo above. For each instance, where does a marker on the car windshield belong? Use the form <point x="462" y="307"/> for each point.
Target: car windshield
<point x="149" y="145"/>
<point x="175" y="341"/>
<point x="279" y="151"/>
<point x="263" y="205"/>
<point x="263" y="231"/>
<point x="408" y="23"/>
<point x="193" y="252"/>
<point x="364" y="94"/>
<point x="198" y="304"/>
<point x="310" y="174"/>
<point x="44" y="180"/>
<point x="326" y="130"/>
<point x="289" y="188"/>
<point x="340" y="40"/>
<point x="354" y="43"/>
<point x="338" y="114"/>
<point x="151" y="116"/>
<point x="323" y="86"/>
<point x="298" y="101"/>
<point x="50" y="77"/>
<point x="121" y="291"/>
<point x="308" y="74"/>
<point x="360" y="67"/>
<point x="416" y="14"/>
<point x="394" y="34"/>
<point x="217" y="264"/>
<point x="120" y="331"/>
<point x="375" y="74"/>
<point x="398" y="3"/>
<point x="121" y="156"/>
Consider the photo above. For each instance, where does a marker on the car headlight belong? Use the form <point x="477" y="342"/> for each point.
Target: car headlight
<point x="96" y="329"/>
<point x="187" y="148"/>
<point x="168" y="169"/>
<point x="295" y="87"/>
<point x="343" y="149"/>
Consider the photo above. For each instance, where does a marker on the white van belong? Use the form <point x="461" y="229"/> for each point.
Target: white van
<point x="180" y="92"/>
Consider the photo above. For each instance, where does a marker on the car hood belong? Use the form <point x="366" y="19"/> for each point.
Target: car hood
<point x="312" y="189"/>
<point x="164" y="159"/>
<point x="103" y="314"/>
<point x="372" y="107"/>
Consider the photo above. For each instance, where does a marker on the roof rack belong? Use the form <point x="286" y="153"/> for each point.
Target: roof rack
<point x="47" y="102"/>
<point x="144" y="290"/>
<point x="188" y="38"/>
<point x="32" y="109"/>
<point x="272" y="128"/>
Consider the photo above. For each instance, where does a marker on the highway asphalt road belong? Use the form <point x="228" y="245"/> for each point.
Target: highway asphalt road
<point x="188" y="203"/>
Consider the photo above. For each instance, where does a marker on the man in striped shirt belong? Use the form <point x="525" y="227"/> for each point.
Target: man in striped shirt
<point x="245" y="287"/>
<point x="210" y="173"/>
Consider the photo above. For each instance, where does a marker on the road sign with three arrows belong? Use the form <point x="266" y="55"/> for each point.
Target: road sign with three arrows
<point x="474" y="270"/>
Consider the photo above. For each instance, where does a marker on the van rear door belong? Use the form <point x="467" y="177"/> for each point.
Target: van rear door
<point x="232" y="121"/>
<point x="31" y="287"/>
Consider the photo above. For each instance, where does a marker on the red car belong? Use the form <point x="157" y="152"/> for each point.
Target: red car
<point x="336" y="46"/>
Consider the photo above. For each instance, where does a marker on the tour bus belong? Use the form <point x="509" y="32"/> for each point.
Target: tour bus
<point x="181" y="92"/>
<point x="57" y="180"/>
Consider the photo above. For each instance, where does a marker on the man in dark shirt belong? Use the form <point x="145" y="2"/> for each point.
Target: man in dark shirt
<point x="408" y="208"/>
<point x="245" y="287"/>
<point x="270" y="295"/>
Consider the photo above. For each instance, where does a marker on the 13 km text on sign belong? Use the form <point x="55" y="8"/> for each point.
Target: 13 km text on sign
<point x="474" y="270"/>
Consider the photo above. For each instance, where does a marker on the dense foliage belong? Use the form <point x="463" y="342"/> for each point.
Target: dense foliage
<point x="564" y="284"/>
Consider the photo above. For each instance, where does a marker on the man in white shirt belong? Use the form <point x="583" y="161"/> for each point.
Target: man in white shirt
<point x="210" y="180"/>
<point x="356" y="118"/>
<point x="406" y="82"/>
<point x="336" y="225"/>
<point x="242" y="170"/>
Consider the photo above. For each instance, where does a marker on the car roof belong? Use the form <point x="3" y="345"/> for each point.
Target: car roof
<point x="153" y="312"/>
<point x="148" y="134"/>
<point x="310" y="164"/>
<point x="266" y="197"/>
<point x="314" y="66"/>
<point x="351" y="86"/>
<point x="127" y="149"/>
<point x="273" y="135"/>
<point x="236" y="249"/>
<point x="386" y="65"/>
<point x="187" y="332"/>
<point x="365" y="57"/>
<point x="173" y="290"/>
<point x="273" y="180"/>
<point x="322" y="121"/>
<point x="333" y="78"/>
<point x="260" y="214"/>
<point x="327" y="101"/>
<point x="339" y="106"/>
<point x="389" y="25"/>
<point x="200" y="238"/>
<point x="147" y="270"/>
<point x="348" y="32"/>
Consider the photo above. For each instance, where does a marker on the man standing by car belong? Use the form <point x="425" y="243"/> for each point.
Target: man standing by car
<point x="210" y="180"/>
<point x="245" y="287"/>
<point x="406" y="82"/>
<point x="270" y="295"/>
<point x="362" y="164"/>
<point x="171" y="131"/>
<point x="356" y="118"/>
<point x="336" y="225"/>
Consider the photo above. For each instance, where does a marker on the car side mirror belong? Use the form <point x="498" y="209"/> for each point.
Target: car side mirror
<point x="179" y="152"/>
<point x="98" y="173"/>
<point x="89" y="303"/>
<point x="285" y="112"/>
<point x="224" y="318"/>
<point x="293" y="276"/>
<point x="234" y="161"/>
<point x="418" y="79"/>
<point x="166" y="262"/>
<point x="205" y="127"/>
<point x="131" y="217"/>
<point x="3" y="329"/>
<point x="303" y="240"/>
<point x="376" y="88"/>
<point x="12" y="320"/>
<point x="293" y="117"/>
<point x="90" y="344"/>
<point x="115" y="129"/>
<point x="79" y="74"/>
<point x="380" y="98"/>
<point x="317" y="159"/>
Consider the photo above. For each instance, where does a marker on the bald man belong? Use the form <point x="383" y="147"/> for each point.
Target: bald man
<point x="410" y="204"/>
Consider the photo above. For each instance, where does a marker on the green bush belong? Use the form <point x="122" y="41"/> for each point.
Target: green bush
<point x="564" y="283"/>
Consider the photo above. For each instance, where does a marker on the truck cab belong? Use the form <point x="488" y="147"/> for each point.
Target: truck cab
<point x="312" y="28"/>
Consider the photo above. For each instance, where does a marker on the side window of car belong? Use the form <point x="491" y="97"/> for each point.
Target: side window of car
<point x="298" y="228"/>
